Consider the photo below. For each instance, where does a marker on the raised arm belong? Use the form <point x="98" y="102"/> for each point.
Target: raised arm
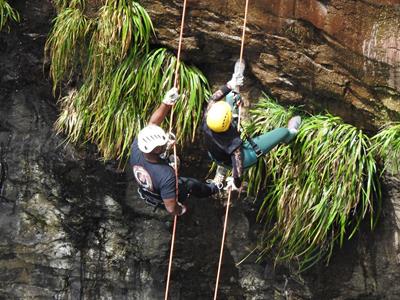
<point x="218" y="95"/>
<point x="161" y="112"/>
<point x="237" y="166"/>
<point x="233" y="84"/>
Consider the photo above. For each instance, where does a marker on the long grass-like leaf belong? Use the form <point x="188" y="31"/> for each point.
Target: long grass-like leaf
<point x="316" y="190"/>
<point x="6" y="13"/>
<point x="65" y="43"/>
<point x="386" y="144"/>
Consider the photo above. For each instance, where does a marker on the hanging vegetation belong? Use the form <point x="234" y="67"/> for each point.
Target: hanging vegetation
<point x="387" y="146"/>
<point x="66" y="44"/>
<point x="120" y="80"/>
<point x="7" y="12"/>
<point x="315" y="192"/>
<point x="62" y="4"/>
<point x="121" y="27"/>
<point x="317" y="189"/>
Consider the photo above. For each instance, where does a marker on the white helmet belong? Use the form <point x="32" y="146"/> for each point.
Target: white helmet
<point x="151" y="137"/>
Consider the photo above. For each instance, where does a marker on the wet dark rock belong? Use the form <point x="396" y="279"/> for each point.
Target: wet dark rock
<point x="341" y="56"/>
<point x="73" y="227"/>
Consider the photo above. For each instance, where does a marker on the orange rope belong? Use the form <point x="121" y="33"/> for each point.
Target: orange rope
<point x="230" y="191"/>
<point x="242" y="49"/>
<point x="175" y="158"/>
<point x="178" y="59"/>
<point x="222" y="244"/>
<point x="244" y="30"/>
<point x="170" y="257"/>
<point x="180" y="44"/>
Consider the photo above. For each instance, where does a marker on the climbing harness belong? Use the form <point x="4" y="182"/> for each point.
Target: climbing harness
<point x="254" y="145"/>
<point x="174" y="147"/>
<point x="150" y="198"/>
<point x="230" y="191"/>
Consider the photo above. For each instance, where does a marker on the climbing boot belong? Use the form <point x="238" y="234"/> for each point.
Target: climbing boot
<point x="218" y="182"/>
<point x="294" y="124"/>
<point x="293" y="128"/>
<point x="219" y="177"/>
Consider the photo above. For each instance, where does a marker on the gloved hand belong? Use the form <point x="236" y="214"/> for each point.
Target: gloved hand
<point x="237" y="100"/>
<point x="230" y="184"/>
<point x="235" y="82"/>
<point x="239" y="67"/>
<point x="237" y="76"/>
<point x="171" y="96"/>
<point x="183" y="208"/>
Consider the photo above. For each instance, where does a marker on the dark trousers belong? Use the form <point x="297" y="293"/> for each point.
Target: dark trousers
<point x="190" y="186"/>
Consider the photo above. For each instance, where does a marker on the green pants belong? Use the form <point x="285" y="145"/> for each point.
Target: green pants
<point x="266" y="142"/>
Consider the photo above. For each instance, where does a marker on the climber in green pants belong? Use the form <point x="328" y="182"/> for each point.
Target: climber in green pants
<point x="222" y="137"/>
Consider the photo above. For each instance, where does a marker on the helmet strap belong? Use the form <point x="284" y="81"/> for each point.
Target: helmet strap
<point x="165" y="154"/>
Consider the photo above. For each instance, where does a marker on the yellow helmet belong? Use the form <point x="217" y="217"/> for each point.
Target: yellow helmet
<point x="219" y="117"/>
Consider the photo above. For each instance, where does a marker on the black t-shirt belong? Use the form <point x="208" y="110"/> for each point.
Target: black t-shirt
<point x="158" y="178"/>
<point x="221" y="145"/>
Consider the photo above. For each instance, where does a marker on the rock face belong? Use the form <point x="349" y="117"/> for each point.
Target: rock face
<point x="342" y="56"/>
<point x="72" y="227"/>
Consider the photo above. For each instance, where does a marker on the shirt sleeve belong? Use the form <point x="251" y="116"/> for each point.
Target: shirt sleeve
<point x="237" y="166"/>
<point x="220" y="93"/>
<point x="168" y="188"/>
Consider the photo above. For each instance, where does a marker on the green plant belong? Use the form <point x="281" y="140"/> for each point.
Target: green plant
<point x="155" y="76"/>
<point x="317" y="190"/>
<point x="7" y="12"/>
<point x="62" y="4"/>
<point x="95" y="45"/>
<point x="111" y="113"/>
<point x="122" y="26"/>
<point x="387" y="145"/>
<point x="76" y="116"/>
<point x="266" y="115"/>
<point x="122" y="81"/>
<point x="66" y="44"/>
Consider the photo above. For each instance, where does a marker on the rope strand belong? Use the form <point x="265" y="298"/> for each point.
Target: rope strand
<point x="170" y="257"/>
<point x="244" y="30"/>
<point x="178" y="57"/>
<point x="222" y="244"/>
<point x="242" y="49"/>
<point x="175" y="158"/>
<point x="230" y="191"/>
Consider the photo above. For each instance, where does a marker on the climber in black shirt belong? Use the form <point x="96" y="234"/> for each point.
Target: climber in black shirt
<point x="222" y="137"/>
<point x="154" y="172"/>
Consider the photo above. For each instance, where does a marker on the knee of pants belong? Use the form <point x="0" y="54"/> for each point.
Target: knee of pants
<point x="249" y="158"/>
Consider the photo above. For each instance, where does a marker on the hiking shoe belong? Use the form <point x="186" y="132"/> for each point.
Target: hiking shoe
<point x="218" y="182"/>
<point x="219" y="177"/>
<point x="294" y="124"/>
